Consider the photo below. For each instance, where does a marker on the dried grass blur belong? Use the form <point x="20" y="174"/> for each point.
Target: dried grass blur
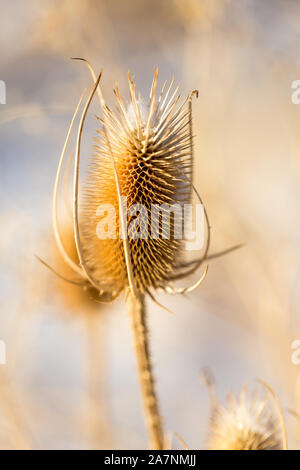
<point x="242" y="56"/>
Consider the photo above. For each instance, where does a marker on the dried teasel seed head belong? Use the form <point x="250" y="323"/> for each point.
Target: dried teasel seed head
<point x="151" y="146"/>
<point x="245" y="423"/>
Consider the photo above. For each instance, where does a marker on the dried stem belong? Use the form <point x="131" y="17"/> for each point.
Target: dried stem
<point x="137" y="311"/>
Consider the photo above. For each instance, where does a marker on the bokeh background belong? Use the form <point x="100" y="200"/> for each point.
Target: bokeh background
<point x="70" y="379"/>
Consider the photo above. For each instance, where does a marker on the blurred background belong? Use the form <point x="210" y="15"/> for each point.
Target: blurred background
<point x="70" y="379"/>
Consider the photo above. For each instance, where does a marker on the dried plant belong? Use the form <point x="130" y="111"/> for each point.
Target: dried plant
<point x="143" y="153"/>
<point x="247" y="422"/>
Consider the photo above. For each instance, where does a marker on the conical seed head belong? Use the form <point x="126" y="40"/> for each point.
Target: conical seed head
<point x="151" y="144"/>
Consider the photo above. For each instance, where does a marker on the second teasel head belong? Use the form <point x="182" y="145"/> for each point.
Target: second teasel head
<point x="250" y="421"/>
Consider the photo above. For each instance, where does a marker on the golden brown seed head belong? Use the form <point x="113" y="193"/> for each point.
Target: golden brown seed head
<point x="246" y="423"/>
<point x="151" y="145"/>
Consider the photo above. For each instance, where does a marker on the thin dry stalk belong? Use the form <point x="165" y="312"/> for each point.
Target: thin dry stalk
<point x="137" y="312"/>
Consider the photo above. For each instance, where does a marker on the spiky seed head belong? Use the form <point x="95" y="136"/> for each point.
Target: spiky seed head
<point x="245" y="423"/>
<point x="151" y="144"/>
